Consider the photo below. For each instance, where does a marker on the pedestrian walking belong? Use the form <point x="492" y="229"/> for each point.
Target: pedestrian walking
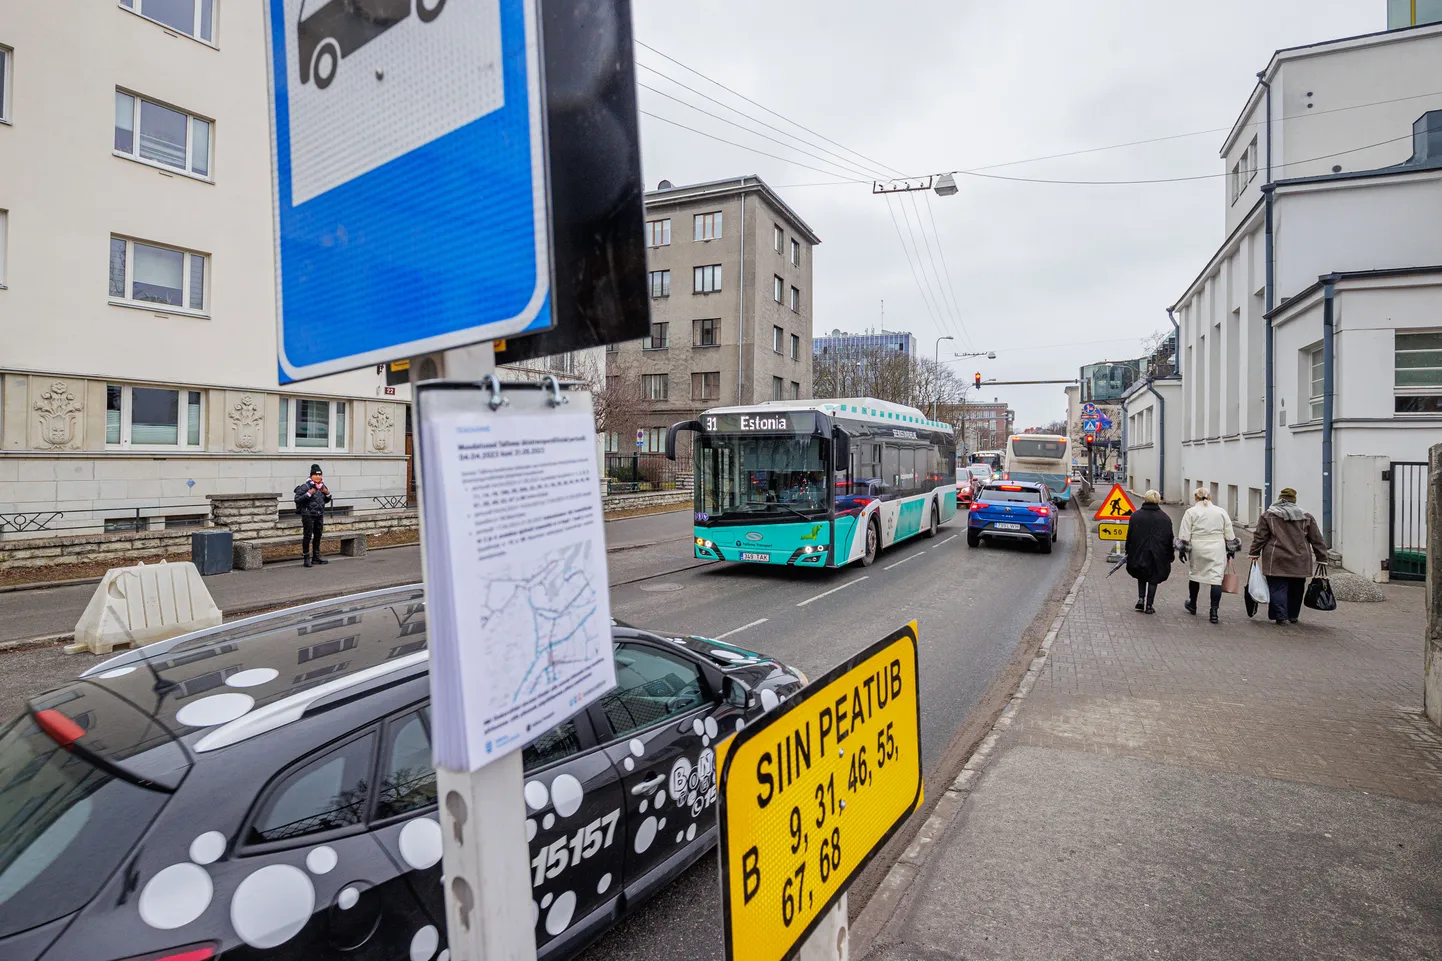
<point x="310" y="500"/>
<point x="1206" y="542"/>
<point x="1287" y="541"/>
<point x="1149" y="549"/>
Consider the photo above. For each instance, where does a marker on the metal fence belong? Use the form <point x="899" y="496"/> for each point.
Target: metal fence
<point x="152" y="517"/>
<point x="644" y="471"/>
<point x="1407" y="527"/>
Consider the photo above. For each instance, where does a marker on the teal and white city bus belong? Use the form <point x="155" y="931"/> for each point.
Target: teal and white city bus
<point x="817" y="483"/>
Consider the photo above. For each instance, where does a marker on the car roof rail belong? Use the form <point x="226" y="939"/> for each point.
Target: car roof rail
<point x="286" y="710"/>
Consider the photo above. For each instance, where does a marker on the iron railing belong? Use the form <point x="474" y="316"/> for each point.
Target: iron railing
<point x="1407" y="521"/>
<point x="644" y="471"/>
<point x="146" y="517"/>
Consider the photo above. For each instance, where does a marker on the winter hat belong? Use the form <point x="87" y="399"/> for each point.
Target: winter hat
<point x="1289" y="494"/>
<point x="314" y="469"/>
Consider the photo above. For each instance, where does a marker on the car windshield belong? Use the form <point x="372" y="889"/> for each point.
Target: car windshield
<point x="65" y="826"/>
<point x="1007" y="492"/>
<point x="740" y="476"/>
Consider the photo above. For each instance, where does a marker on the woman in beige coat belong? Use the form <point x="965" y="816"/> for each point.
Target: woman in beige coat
<point x="1206" y="542"/>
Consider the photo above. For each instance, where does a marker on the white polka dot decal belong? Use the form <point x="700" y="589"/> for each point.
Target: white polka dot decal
<point x="769" y="700"/>
<point x="727" y="655"/>
<point x="660" y="798"/>
<point x="679" y="836"/>
<point x="661" y="824"/>
<point x="321" y="860"/>
<point x="558" y="918"/>
<point x="118" y="672"/>
<point x="645" y="834"/>
<point x="347" y="899"/>
<point x="546" y="901"/>
<point x="630" y="764"/>
<point x="547" y="821"/>
<point x="423" y="945"/>
<point x="644" y="805"/>
<point x="638" y="747"/>
<point x="604" y="884"/>
<point x="691" y="832"/>
<point x="536" y="795"/>
<point x="740" y="723"/>
<point x="706" y="741"/>
<point x="207" y="848"/>
<point x="445" y="955"/>
<point x="175" y="897"/>
<point x="697" y="727"/>
<point x="711" y="727"/>
<point x="254" y="677"/>
<point x="567" y="795"/>
<point x="272" y="905"/>
<point x="535" y="913"/>
<point x="215" y="709"/>
<point x="530" y="829"/>
<point x="420" y="843"/>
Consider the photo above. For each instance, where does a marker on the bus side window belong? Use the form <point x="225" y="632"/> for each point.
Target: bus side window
<point x="891" y="467"/>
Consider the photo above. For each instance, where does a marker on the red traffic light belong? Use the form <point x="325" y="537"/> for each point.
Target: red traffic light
<point x="1090" y="439"/>
<point x="978" y="380"/>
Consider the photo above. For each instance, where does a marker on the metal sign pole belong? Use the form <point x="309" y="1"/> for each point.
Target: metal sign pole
<point x="484" y="857"/>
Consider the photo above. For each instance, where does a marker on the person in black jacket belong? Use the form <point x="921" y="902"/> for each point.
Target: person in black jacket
<point x="310" y="500"/>
<point x="1149" y="549"/>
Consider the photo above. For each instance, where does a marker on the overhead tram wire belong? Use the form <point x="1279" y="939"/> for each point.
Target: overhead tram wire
<point x="762" y="153"/>
<point x="911" y="264"/>
<point x="954" y="299"/>
<point x="941" y="307"/>
<point x="955" y="312"/>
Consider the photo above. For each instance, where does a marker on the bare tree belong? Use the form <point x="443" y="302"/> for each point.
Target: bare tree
<point x="1053" y="427"/>
<point x="888" y="375"/>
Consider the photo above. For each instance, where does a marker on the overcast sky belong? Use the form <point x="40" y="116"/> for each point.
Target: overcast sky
<point x="931" y="86"/>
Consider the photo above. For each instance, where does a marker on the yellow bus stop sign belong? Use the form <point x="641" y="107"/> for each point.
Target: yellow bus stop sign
<point x="811" y="791"/>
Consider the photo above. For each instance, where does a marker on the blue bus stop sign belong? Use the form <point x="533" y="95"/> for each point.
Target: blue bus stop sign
<point x="410" y="178"/>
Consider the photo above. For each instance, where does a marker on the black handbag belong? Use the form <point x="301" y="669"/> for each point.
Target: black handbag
<point x="1319" y="596"/>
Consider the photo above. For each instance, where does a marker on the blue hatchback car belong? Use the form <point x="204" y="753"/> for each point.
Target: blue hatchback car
<point x="1019" y="510"/>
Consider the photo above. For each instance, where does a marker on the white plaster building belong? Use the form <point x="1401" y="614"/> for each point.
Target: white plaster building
<point x="1346" y="138"/>
<point x="1153" y="413"/>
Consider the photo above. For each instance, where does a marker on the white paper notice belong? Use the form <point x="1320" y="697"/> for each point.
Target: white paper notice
<point x="517" y="595"/>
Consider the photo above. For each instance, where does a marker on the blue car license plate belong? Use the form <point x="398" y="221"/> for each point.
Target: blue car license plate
<point x="750" y="556"/>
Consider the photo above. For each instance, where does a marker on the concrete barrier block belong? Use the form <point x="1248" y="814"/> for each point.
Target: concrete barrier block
<point x="133" y="606"/>
<point x="353" y="545"/>
<point x="246" y="556"/>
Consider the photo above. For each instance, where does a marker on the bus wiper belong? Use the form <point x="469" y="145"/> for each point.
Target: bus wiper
<point x="791" y="509"/>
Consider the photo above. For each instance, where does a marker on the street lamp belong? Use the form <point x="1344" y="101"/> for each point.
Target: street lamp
<point x="936" y="362"/>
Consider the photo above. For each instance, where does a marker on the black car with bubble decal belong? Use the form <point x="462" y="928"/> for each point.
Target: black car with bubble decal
<point x="264" y="790"/>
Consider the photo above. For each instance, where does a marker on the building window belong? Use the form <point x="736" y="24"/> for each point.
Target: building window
<point x="795" y="253"/>
<point x="708" y="279"/>
<point x="778" y="337"/>
<point x="795" y="299"/>
<point x="148" y="131"/>
<point x="148" y="274"/>
<point x="795" y="390"/>
<point x="777" y="287"/>
<point x="658" y="338"/>
<point x="706" y="386"/>
<point x="778" y="389"/>
<point x="655" y="386"/>
<point x="658" y="233"/>
<point x="660" y="283"/>
<point x="1252" y="159"/>
<point x="152" y="416"/>
<point x="1314" y="363"/>
<point x="708" y="226"/>
<point x="778" y="237"/>
<point x="705" y="333"/>
<point x="795" y="347"/>
<point x="194" y="18"/>
<point x="309" y="424"/>
<point x="4" y="243"/>
<point x="1418" y="373"/>
<point x="5" y="57"/>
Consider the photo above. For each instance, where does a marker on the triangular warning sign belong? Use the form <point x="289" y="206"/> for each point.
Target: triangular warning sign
<point x="1117" y="506"/>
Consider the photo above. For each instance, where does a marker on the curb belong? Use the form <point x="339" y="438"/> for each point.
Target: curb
<point x="895" y="886"/>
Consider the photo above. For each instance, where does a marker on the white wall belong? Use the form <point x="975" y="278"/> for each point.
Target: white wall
<point x="1144" y="441"/>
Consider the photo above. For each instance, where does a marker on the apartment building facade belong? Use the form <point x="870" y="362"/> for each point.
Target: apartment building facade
<point x="137" y="296"/>
<point x="985" y="426"/>
<point x="730" y="269"/>
<point x="1334" y="179"/>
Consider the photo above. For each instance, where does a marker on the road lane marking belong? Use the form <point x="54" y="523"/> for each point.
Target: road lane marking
<point x="743" y="627"/>
<point x="902" y="561"/>
<point x="833" y="590"/>
<point x="949" y="539"/>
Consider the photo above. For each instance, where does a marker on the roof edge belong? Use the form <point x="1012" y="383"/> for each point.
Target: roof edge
<point x="1304" y="296"/>
<point x="748" y="183"/>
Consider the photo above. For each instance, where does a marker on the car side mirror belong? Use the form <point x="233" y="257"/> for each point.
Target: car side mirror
<point x="840" y="449"/>
<point x="734" y="693"/>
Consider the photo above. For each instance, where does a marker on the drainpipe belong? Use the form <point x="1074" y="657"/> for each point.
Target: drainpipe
<point x="1262" y="79"/>
<point x="1161" y="438"/>
<point x="1329" y="355"/>
<point x="1268" y="192"/>
<point x="741" y="297"/>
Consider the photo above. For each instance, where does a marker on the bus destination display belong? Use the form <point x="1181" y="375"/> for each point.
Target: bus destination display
<point x="810" y="793"/>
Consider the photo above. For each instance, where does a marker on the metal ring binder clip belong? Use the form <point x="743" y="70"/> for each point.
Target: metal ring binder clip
<point x="557" y="398"/>
<point x="494" y="382"/>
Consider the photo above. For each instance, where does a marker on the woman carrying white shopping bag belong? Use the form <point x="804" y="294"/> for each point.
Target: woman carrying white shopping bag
<point x="1206" y="542"/>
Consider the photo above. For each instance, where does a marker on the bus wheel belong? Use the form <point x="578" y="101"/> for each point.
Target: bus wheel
<point x="873" y="543"/>
<point x="931" y="531"/>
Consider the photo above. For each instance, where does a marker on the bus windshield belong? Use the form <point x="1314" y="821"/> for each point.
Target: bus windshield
<point x="1026" y="448"/>
<point x="750" y="475"/>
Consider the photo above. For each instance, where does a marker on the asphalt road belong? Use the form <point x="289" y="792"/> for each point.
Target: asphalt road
<point x="971" y="607"/>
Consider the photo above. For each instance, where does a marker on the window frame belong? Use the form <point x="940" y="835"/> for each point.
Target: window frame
<point x="778" y="287"/>
<point x="795" y="252"/>
<point x="665" y="278"/>
<point x="778" y="388"/>
<point x="648" y="380"/>
<point x="7" y="81"/>
<point x="1317" y="374"/>
<point x="796" y="347"/>
<point x="127" y="299"/>
<point x="709" y="684"/>
<point x="4" y="246"/>
<point x="661" y="227"/>
<point x="182" y="426"/>
<point x="267" y="792"/>
<point x="137" y="99"/>
<point x="707" y="226"/>
<point x="389" y="728"/>
<point x="778" y="338"/>
<point x="129" y="6"/>
<point x="1422" y="391"/>
<point x="648" y="342"/>
<point x="795" y="390"/>
<point x="778" y="237"/>
<point x="286" y="440"/>
<point x="795" y="300"/>
<point x="699" y="279"/>
<point x="697" y="327"/>
<point x="701" y="383"/>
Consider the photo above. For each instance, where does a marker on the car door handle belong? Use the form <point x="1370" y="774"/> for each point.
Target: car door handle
<point x="648" y="785"/>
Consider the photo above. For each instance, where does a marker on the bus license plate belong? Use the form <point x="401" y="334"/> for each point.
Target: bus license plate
<point x="1007" y="527"/>
<point x="763" y="558"/>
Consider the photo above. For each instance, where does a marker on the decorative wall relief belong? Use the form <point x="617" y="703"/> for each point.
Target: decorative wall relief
<point x="247" y="418"/>
<point x="59" y="410"/>
<point x="381" y="423"/>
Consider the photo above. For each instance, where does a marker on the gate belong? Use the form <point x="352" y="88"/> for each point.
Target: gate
<point x="1407" y="524"/>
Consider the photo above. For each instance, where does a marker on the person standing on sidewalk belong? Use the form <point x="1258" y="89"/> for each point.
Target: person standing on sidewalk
<point x="1149" y="549"/>
<point x="1206" y="541"/>
<point x="1287" y="540"/>
<point x="310" y="500"/>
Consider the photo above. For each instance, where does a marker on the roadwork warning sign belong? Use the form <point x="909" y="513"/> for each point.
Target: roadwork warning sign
<point x="1117" y="506"/>
<point x="810" y="793"/>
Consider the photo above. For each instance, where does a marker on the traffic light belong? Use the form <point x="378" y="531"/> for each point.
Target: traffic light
<point x="1090" y="439"/>
<point x="978" y="380"/>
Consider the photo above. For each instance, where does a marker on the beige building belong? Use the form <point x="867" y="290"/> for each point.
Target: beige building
<point x="137" y="298"/>
<point x="731" y="307"/>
